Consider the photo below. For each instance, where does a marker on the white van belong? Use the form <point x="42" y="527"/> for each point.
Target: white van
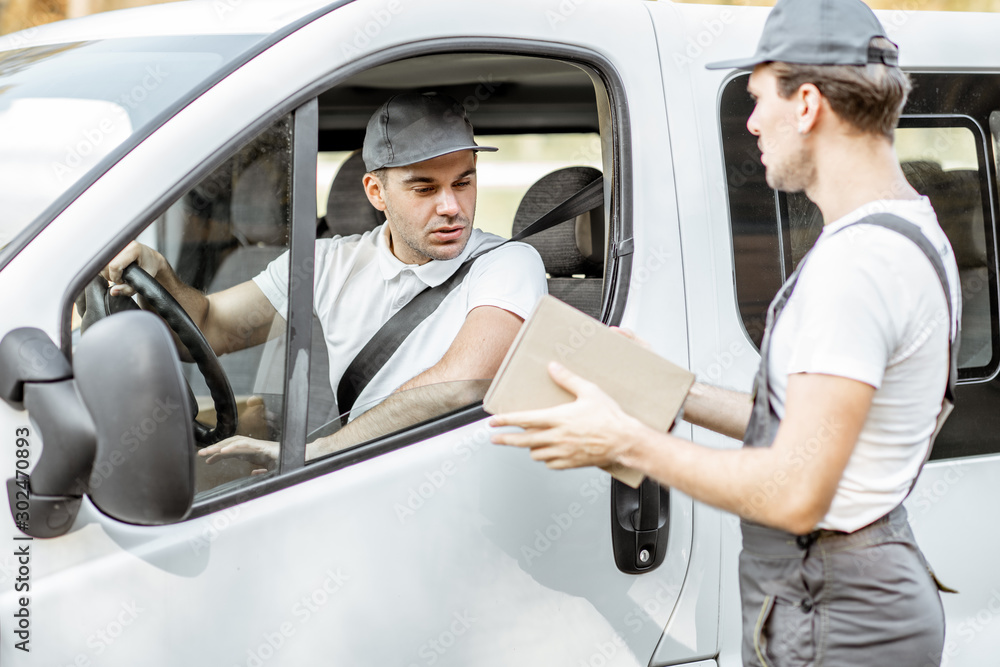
<point x="220" y="132"/>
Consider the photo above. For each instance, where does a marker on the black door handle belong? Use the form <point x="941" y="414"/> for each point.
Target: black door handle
<point x="640" y="521"/>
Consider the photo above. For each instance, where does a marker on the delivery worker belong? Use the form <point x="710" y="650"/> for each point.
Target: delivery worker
<point x="858" y="352"/>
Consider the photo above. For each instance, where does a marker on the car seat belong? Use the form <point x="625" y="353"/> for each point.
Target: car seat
<point x="957" y="199"/>
<point x="573" y="250"/>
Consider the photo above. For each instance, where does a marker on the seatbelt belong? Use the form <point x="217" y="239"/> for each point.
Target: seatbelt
<point x="374" y="355"/>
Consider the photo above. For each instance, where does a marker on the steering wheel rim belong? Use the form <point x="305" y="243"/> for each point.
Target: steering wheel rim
<point x="167" y="307"/>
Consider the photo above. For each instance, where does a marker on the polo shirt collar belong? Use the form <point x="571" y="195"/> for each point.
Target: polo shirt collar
<point x="432" y="274"/>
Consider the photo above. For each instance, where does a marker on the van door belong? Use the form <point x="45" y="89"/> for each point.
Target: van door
<point x="426" y="546"/>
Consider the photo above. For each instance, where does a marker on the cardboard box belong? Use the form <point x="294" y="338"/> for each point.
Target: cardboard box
<point x="644" y="384"/>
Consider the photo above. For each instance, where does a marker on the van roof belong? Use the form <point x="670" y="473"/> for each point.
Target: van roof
<point x="195" y="17"/>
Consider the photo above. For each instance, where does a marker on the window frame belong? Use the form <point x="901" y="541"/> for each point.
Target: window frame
<point x="928" y="121"/>
<point x="615" y="139"/>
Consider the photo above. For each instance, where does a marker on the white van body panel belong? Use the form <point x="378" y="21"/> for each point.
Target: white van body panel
<point x="264" y="556"/>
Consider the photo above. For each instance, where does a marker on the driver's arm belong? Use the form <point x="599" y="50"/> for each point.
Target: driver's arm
<point x="231" y="320"/>
<point x="476" y="353"/>
<point x="721" y="410"/>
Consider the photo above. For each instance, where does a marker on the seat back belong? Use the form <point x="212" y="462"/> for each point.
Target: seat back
<point x="573" y="250"/>
<point x="348" y="210"/>
<point x="957" y="199"/>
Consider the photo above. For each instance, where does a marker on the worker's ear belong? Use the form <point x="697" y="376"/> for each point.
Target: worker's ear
<point x="375" y="190"/>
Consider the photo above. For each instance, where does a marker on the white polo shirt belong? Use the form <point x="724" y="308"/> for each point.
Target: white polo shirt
<point x="869" y="306"/>
<point x="360" y="284"/>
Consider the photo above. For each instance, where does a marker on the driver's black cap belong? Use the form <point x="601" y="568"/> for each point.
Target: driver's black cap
<point x="413" y="127"/>
<point x="817" y="32"/>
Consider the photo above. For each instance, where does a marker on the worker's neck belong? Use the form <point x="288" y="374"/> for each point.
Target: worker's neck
<point x="854" y="169"/>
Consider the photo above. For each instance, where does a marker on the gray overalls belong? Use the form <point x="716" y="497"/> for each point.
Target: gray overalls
<point x="831" y="598"/>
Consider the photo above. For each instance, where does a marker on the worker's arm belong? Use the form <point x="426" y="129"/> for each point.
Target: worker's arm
<point x="789" y="485"/>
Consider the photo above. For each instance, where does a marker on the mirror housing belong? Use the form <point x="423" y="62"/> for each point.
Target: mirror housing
<point x="118" y="428"/>
<point x="129" y="376"/>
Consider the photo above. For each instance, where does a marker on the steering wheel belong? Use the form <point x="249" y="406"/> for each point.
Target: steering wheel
<point x="98" y="303"/>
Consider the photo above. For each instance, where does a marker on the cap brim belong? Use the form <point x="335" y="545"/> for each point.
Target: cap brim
<point x="404" y="161"/>
<point x="737" y="63"/>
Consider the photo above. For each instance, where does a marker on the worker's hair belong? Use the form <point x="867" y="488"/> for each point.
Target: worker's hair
<point x="869" y="97"/>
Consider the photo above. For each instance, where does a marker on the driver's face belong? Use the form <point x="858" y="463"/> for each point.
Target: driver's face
<point x="429" y="206"/>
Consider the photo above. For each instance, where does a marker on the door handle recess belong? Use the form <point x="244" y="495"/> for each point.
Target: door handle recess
<point x="640" y="521"/>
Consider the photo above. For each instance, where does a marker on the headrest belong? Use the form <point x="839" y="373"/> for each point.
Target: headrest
<point x="574" y="246"/>
<point x="258" y="211"/>
<point x="957" y="200"/>
<point x="348" y="210"/>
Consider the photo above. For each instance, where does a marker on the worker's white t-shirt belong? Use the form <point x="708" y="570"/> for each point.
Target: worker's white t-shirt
<point x="360" y="284"/>
<point x="869" y="306"/>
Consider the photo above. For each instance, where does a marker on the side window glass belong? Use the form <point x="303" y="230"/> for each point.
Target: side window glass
<point x="758" y="252"/>
<point x="942" y="156"/>
<point x="946" y="163"/>
<point x="217" y="236"/>
<point x="943" y="159"/>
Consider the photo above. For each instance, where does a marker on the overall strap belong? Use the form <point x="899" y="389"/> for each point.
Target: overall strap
<point x="912" y="232"/>
<point x="763" y="424"/>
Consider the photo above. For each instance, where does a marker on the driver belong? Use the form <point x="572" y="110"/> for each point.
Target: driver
<point x="421" y="157"/>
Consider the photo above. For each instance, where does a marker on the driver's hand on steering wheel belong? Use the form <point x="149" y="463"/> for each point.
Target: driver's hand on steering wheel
<point x="149" y="260"/>
<point x="258" y="452"/>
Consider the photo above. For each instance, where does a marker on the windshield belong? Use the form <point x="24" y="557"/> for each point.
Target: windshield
<point x="65" y="107"/>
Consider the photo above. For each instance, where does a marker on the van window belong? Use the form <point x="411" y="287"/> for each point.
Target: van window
<point x="540" y="130"/>
<point x="946" y="154"/>
<point x="220" y="233"/>
<point x="943" y="157"/>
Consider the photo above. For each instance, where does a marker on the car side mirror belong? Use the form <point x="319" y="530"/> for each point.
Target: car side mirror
<point x="119" y="429"/>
